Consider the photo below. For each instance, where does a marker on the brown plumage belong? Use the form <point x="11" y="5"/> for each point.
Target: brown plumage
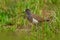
<point x="40" y="19"/>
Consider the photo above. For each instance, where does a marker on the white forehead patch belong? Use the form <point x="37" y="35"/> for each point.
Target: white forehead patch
<point x="35" y="21"/>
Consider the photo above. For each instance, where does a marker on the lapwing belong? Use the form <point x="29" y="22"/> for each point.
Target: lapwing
<point x="33" y="17"/>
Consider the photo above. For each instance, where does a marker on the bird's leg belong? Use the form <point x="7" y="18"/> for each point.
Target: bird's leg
<point x="37" y="27"/>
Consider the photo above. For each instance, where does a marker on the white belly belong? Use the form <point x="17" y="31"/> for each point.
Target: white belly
<point x="35" y="21"/>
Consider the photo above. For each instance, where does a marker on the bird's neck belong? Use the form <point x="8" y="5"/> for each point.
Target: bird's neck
<point x="28" y="14"/>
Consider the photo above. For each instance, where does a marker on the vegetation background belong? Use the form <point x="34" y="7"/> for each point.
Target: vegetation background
<point x="15" y="26"/>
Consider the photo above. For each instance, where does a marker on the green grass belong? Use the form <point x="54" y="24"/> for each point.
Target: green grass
<point x="12" y="16"/>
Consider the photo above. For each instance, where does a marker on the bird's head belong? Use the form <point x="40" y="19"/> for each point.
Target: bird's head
<point x="28" y="12"/>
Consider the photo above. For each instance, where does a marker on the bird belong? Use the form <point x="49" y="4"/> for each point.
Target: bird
<point x="33" y="17"/>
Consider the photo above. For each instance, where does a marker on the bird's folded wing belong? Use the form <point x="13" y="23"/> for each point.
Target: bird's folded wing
<point x="40" y="19"/>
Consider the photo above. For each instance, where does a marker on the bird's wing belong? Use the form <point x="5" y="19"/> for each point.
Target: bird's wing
<point x="40" y="19"/>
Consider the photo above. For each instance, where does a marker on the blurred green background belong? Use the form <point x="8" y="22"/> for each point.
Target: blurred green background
<point x="15" y="26"/>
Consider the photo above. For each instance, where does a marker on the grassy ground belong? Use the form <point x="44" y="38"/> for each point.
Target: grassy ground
<point x="15" y="26"/>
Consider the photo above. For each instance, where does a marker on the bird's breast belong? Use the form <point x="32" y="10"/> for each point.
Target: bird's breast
<point x="34" y="20"/>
